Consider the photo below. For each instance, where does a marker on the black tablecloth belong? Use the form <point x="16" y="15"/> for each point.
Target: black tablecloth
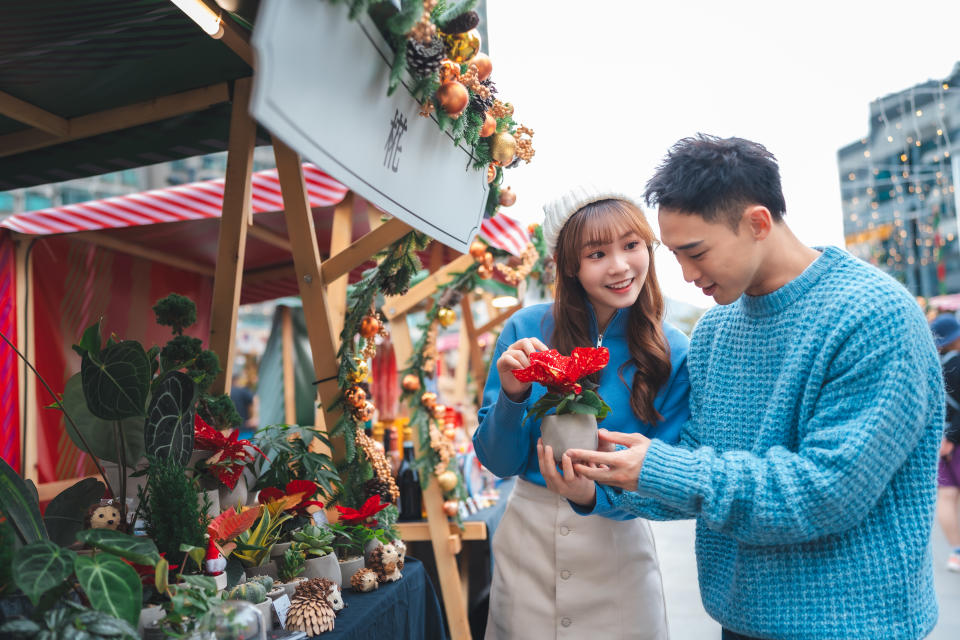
<point x="405" y="609"/>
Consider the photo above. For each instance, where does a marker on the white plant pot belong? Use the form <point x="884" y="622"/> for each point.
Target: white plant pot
<point x="148" y="616"/>
<point x="276" y="592"/>
<point x="266" y="610"/>
<point x="569" y="431"/>
<point x="231" y="498"/>
<point x="279" y="549"/>
<point x="348" y="568"/>
<point x="214" y="496"/>
<point x="323" y="567"/>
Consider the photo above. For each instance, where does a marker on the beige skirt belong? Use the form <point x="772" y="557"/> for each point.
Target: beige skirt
<point x="561" y="575"/>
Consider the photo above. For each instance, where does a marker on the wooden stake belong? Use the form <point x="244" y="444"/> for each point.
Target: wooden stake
<point x="231" y="245"/>
<point x="25" y="344"/>
<point x="289" y="379"/>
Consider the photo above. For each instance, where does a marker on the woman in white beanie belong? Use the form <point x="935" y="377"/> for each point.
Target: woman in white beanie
<point x="558" y="574"/>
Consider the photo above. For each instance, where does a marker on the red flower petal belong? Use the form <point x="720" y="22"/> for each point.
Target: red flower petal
<point x="268" y="494"/>
<point x="301" y="486"/>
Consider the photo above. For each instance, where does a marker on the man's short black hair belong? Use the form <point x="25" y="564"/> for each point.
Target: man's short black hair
<point x="716" y="178"/>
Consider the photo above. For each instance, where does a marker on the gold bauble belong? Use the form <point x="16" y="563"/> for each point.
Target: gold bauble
<point x="507" y="197"/>
<point x="446" y="317"/>
<point x="484" y="65"/>
<point x="449" y="71"/>
<point x="484" y="272"/>
<point x="488" y="129"/>
<point x="361" y="373"/>
<point x="488" y="260"/>
<point x="503" y="147"/>
<point x="410" y="383"/>
<point x="491" y="172"/>
<point x="461" y="47"/>
<point x="355" y="397"/>
<point x="450" y="507"/>
<point x="429" y="400"/>
<point x="453" y="97"/>
<point x="369" y="327"/>
<point x="365" y="412"/>
<point x="439" y="411"/>
<point x="477" y="249"/>
<point x="447" y="481"/>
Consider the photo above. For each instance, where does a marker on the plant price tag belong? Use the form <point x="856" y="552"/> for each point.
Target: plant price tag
<point x="281" y="605"/>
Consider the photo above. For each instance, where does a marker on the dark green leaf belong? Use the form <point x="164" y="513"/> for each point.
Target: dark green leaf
<point x="97" y="432"/>
<point x="111" y="585"/>
<point x="581" y="408"/>
<point x="65" y="513"/>
<point x="116" y="387"/>
<point x="41" y="566"/>
<point x="101" y="624"/>
<point x="90" y="342"/>
<point x="169" y="428"/>
<point x="20" y="625"/>
<point x="137" y="549"/>
<point x="19" y="504"/>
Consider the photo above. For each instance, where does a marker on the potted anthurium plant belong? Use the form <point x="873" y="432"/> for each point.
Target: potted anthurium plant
<point x="576" y="406"/>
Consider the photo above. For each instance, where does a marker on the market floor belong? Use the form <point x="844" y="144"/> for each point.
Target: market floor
<point x="688" y="620"/>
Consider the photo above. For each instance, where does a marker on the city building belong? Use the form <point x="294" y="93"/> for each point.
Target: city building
<point x="898" y="187"/>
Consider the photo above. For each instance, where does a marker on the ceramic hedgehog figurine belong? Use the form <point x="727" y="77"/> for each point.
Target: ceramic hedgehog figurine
<point x="310" y="610"/>
<point x="364" y="580"/>
<point x="102" y="516"/>
<point x="383" y="560"/>
<point x="401" y="551"/>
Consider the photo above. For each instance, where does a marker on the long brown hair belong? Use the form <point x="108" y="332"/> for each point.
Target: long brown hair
<point x="603" y="222"/>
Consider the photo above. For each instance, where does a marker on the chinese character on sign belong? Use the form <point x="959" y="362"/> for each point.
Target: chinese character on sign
<point x="398" y="125"/>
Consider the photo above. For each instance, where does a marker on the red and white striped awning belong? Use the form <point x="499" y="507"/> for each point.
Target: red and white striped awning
<point x="185" y="202"/>
<point x="503" y="232"/>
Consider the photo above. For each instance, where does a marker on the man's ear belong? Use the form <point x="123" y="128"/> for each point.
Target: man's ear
<point x="758" y="221"/>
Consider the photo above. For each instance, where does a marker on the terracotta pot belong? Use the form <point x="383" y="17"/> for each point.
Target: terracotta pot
<point x="290" y="587"/>
<point x="569" y="431"/>
<point x="323" y="567"/>
<point x="268" y="568"/>
<point x="348" y="568"/>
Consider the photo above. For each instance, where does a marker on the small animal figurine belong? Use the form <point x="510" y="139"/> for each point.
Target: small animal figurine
<point x="103" y="516"/>
<point x="310" y="610"/>
<point x="401" y="551"/>
<point x="364" y="580"/>
<point x="383" y="560"/>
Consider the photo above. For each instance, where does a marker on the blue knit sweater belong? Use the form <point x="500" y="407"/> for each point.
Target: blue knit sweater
<point x="507" y="448"/>
<point x="809" y="459"/>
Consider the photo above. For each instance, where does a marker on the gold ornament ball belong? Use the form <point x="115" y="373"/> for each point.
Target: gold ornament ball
<point x="369" y="327"/>
<point x="491" y="172"/>
<point x="410" y="383"/>
<point x="503" y="147"/>
<point x="507" y="197"/>
<point x="484" y="272"/>
<point x="484" y="65"/>
<point x="453" y="97"/>
<point x="429" y="400"/>
<point x="488" y="260"/>
<point x="446" y="317"/>
<point x="365" y="412"/>
<point x="477" y="249"/>
<point x="450" y="433"/>
<point x="355" y="397"/>
<point x="449" y="71"/>
<point x="489" y="127"/>
<point x="439" y="411"/>
<point x="447" y="481"/>
<point x="450" y="507"/>
<point x="461" y="47"/>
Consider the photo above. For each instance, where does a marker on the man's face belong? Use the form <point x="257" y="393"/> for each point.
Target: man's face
<point x="722" y="263"/>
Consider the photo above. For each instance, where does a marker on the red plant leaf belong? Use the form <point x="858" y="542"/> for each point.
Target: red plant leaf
<point x="230" y="524"/>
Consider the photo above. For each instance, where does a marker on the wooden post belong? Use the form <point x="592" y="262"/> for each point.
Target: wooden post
<point x="289" y="377"/>
<point x="341" y="234"/>
<point x="25" y="343"/>
<point x="445" y="544"/>
<point x="231" y="245"/>
<point x="476" y="353"/>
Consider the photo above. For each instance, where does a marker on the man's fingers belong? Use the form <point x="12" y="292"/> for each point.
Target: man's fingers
<point x="592" y="473"/>
<point x="585" y="456"/>
<point x="567" y="465"/>
<point x="617" y="437"/>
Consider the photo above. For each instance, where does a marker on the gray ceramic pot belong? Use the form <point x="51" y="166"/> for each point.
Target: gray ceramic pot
<point x="569" y="431"/>
<point x="348" y="568"/>
<point x="268" y="568"/>
<point x="291" y="587"/>
<point x="323" y="567"/>
<point x="279" y="549"/>
<point x="266" y="610"/>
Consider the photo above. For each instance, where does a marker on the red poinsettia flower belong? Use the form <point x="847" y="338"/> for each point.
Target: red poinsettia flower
<point x="230" y="455"/>
<point x="296" y="496"/>
<point x="561" y="373"/>
<point x="363" y="515"/>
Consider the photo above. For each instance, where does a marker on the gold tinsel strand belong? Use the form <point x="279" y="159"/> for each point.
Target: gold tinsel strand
<point x="472" y="82"/>
<point x="524" y="144"/>
<point x="516" y="275"/>
<point x="381" y="468"/>
<point x="501" y="109"/>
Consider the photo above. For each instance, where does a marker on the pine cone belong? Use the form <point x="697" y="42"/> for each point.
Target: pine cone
<point x="462" y="23"/>
<point x="424" y="59"/>
<point x="377" y="487"/>
<point x="311" y="615"/>
<point x="484" y="105"/>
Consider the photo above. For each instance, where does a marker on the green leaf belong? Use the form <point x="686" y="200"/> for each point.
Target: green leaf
<point x="111" y="585"/>
<point x="136" y="549"/>
<point x="106" y="626"/>
<point x="206" y="583"/>
<point x="397" y="68"/>
<point x="581" y="408"/>
<point x="41" y="566"/>
<point x="19" y="506"/>
<point x="90" y="342"/>
<point x="169" y="429"/>
<point x="66" y="512"/>
<point x="116" y="387"/>
<point x="97" y="432"/>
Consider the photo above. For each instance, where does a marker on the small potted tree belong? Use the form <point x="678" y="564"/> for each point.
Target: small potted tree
<point x="576" y="406"/>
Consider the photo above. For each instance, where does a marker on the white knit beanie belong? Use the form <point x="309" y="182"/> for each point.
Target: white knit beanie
<point x="558" y="211"/>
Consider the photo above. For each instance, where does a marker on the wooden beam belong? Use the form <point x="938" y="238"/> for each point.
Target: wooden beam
<point x="364" y="248"/>
<point x="306" y="258"/>
<point x="232" y="242"/>
<point x="499" y="319"/>
<point x="26" y="113"/>
<point x="117" y="119"/>
<point x="269" y="236"/>
<point x="109" y="242"/>
<point x="476" y="353"/>
<point x="341" y="233"/>
<point x="289" y="380"/>
<point x="396" y="305"/>
<point x="420" y="531"/>
<point x="234" y="36"/>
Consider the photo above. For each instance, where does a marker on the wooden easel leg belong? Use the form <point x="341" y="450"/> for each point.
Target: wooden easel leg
<point x="454" y="601"/>
<point x="340" y="236"/>
<point x="232" y="243"/>
<point x="25" y="343"/>
<point x="289" y="378"/>
<point x="476" y="353"/>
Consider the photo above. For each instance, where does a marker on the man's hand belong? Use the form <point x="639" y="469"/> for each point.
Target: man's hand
<point x="571" y="486"/>
<point x="517" y="356"/>
<point x="617" y="468"/>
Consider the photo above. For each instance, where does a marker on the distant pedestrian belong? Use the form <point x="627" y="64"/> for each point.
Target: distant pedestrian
<point x="946" y="334"/>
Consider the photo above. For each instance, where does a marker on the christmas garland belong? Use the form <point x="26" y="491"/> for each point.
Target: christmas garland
<point x="437" y="43"/>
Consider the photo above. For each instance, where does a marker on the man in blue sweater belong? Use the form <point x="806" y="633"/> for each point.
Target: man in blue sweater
<point x="809" y="460"/>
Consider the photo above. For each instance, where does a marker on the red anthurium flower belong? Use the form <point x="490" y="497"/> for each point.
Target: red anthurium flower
<point x="561" y="373"/>
<point x="365" y="514"/>
<point x="305" y="489"/>
<point x="230" y="454"/>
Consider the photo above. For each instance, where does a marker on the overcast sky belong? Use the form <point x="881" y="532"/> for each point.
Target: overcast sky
<point x="609" y="86"/>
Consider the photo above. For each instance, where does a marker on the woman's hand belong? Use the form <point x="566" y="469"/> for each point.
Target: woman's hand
<point x="517" y="356"/>
<point x="570" y="485"/>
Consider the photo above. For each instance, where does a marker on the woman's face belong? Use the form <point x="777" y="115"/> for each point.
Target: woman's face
<point x="612" y="274"/>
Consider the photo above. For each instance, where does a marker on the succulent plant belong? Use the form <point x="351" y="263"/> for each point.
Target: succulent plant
<point x="251" y="591"/>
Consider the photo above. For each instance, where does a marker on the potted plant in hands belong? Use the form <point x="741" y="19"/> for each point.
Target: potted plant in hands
<point x="317" y="541"/>
<point x="576" y="406"/>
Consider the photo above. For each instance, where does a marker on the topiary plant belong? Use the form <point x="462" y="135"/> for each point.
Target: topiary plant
<point x="250" y="591"/>
<point x="171" y="509"/>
